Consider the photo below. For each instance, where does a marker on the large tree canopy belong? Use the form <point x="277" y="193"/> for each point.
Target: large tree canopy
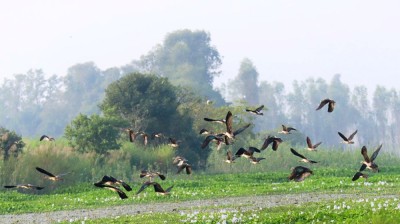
<point x="186" y="58"/>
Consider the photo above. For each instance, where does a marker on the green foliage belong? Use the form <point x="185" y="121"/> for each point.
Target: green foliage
<point x="10" y="143"/>
<point x="94" y="133"/>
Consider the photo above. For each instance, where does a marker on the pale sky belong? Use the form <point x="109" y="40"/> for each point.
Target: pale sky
<point x="286" y="40"/>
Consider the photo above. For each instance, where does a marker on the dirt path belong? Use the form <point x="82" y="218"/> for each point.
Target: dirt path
<point x="233" y="203"/>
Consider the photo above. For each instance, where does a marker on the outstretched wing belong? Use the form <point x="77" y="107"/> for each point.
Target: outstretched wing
<point x="375" y="154"/>
<point x="343" y="137"/>
<point x="144" y="186"/>
<point x="331" y="106"/>
<point x="365" y="154"/>
<point x="229" y="120"/>
<point x="259" y="108"/>
<point x="238" y="131"/>
<point x="309" y="143"/>
<point x="45" y="172"/>
<point x="297" y="154"/>
<point x="322" y="104"/>
<point x="352" y="135"/>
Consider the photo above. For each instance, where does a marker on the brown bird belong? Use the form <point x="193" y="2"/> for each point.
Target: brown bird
<point x="51" y="176"/>
<point x="272" y="139"/>
<point x="369" y="162"/>
<point x="183" y="165"/>
<point x="109" y="180"/>
<point x="246" y="153"/>
<point x="348" y="140"/>
<point x="121" y="194"/>
<point x="358" y="175"/>
<point x="230" y="134"/>
<point x="46" y="138"/>
<point x="299" y="173"/>
<point x="286" y="130"/>
<point x="151" y="175"/>
<point x="256" y="111"/>
<point x="24" y="186"/>
<point x="303" y="158"/>
<point x="310" y="146"/>
<point x="255" y="160"/>
<point x="331" y="104"/>
<point x="173" y="142"/>
<point x="157" y="188"/>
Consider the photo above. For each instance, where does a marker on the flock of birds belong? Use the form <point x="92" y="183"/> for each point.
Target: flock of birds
<point x="298" y="173"/>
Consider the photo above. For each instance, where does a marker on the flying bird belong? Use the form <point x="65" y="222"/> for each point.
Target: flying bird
<point x="246" y="153"/>
<point x="256" y="111"/>
<point x="299" y="173"/>
<point x="24" y="186"/>
<point x="369" y="162"/>
<point x="109" y="180"/>
<point x="184" y="165"/>
<point x="151" y="175"/>
<point x="121" y="194"/>
<point x="272" y="139"/>
<point x="157" y="188"/>
<point x="331" y="104"/>
<point x="310" y="146"/>
<point x="173" y="142"/>
<point x="358" y="175"/>
<point x="46" y="138"/>
<point x="286" y="130"/>
<point x="217" y="138"/>
<point x="51" y="176"/>
<point x="303" y="158"/>
<point x="230" y="134"/>
<point x="255" y="160"/>
<point x="348" y="140"/>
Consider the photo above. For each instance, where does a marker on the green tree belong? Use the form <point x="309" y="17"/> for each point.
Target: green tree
<point x="94" y="133"/>
<point x="10" y="143"/>
<point x="245" y="84"/>
<point x="186" y="58"/>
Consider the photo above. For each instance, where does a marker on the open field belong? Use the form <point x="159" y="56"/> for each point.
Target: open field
<point x="209" y="198"/>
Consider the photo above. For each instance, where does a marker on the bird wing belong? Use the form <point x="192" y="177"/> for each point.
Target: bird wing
<point x="297" y="154"/>
<point x="229" y="120"/>
<point x="10" y="186"/>
<point x="291" y="129"/>
<point x="259" y="108"/>
<point x="267" y="141"/>
<point x="322" y="103"/>
<point x="132" y="136"/>
<point x="158" y="188"/>
<point x="169" y="189"/>
<point x="309" y="143"/>
<point x="161" y="176"/>
<point x="316" y="145"/>
<point x="363" y="166"/>
<point x="126" y="186"/>
<point x="45" y="172"/>
<point x="254" y="149"/>
<point x="207" y="140"/>
<point x="356" y="176"/>
<point x="43" y="137"/>
<point x="284" y="128"/>
<point x="144" y="186"/>
<point x="375" y="154"/>
<point x="365" y="154"/>
<point x="275" y="143"/>
<point x="343" y="137"/>
<point x="238" y="131"/>
<point x="188" y="169"/>
<point x="352" y="135"/>
<point x="240" y="152"/>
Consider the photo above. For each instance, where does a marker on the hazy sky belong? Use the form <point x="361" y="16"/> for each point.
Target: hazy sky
<point x="286" y="40"/>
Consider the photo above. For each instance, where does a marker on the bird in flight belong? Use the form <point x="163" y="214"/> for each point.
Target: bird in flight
<point x="121" y="194"/>
<point x="272" y="139"/>
<point x="286" y="130"/>
<point x="157" y="188"/>
<point x="299" y="173"/>
<point x="358" y="175"/>
<point x="303" y="158"/>
<point x="331" y="104"/>
<point x="369" y="162"/>
<point x="46" y="138"/>
<point x="256" y="111"/>
<point x="109" y="180"/>
<point x="151" y="175"/>
<point x="24" y="186"/>
<point x="310" y="146"/>
<point x="348" y="140"/>
<point x="51" y="176"/>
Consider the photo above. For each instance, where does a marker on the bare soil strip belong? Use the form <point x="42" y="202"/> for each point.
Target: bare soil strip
<point x="231" y="203"/>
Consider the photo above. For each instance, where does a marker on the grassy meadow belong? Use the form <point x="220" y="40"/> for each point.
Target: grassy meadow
<point x="332" y="174"/>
